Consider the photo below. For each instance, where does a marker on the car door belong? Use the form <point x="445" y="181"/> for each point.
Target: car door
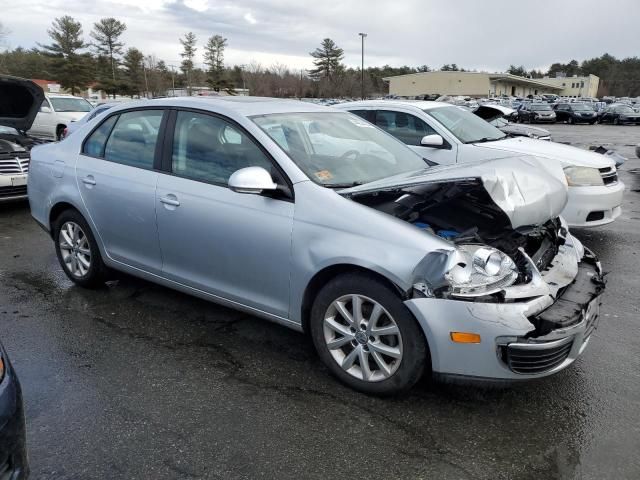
<point x="233" y="245"/>
<point x="561" y="112"/>
<point x="410" y="130"/>
<point x="43" y="124"/>
<point x="117" y="180"/>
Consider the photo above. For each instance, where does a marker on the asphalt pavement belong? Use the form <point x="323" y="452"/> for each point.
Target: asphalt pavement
<point x="136" y="381"/>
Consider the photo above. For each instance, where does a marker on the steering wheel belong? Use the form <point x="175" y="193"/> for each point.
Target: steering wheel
<point x="348" y="153"/>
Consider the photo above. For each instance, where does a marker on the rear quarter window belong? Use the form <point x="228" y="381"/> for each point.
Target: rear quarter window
<point x="95" y="143"/>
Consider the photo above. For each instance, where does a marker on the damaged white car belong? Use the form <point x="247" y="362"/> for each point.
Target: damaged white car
<point x="446" y="134"/>
<point x="317" y="220"/>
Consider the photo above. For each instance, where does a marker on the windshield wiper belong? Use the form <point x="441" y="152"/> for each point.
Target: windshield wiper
<point x="484" y="140"/>
<point x="343" y="185"/>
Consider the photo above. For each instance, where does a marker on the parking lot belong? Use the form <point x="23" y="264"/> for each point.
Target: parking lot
<point x="138" y="381"/>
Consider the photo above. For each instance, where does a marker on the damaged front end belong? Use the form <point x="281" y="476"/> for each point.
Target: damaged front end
<point x="516" y="279"/>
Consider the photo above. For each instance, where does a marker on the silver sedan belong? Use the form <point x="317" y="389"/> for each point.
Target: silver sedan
<point x="320" y="221"/>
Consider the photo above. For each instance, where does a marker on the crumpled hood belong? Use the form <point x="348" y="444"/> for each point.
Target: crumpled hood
<point x="565" y="154"/>
<point x="528" y="192"/>
<point x="20" y="101"/>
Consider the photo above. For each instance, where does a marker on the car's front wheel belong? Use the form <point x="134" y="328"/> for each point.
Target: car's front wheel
<point x="366" y="335"/>
<point x="78" y="251"/>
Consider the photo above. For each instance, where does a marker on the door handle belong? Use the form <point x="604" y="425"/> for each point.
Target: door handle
<point x="89" y="180"/>
<point x="170" y="200"/>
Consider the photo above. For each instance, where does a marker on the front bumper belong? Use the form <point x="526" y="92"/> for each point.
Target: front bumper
<point x="544" y="119"/>
<point x="13" y="449"/>
<point x="593" y="206"/>
<point x="13" y="187"/>
<point x="517" y="342"/>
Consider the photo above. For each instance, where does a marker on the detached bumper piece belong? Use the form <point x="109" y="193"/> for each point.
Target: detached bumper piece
<point x="530" y="358"/>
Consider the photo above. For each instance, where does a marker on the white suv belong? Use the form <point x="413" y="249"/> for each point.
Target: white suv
<point x="56" y="113"/>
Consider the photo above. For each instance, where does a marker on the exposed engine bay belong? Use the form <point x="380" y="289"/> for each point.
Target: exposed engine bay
<point x="463" y="212"/>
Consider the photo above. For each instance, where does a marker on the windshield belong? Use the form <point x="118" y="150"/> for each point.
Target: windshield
<point x="70" y="104"/>
<point x="624" y="109"/>
<point x="582" y="107"/>
<point x="540" y="107"/>
<point x="339" y="149"/>
<point x="465" y="126"/>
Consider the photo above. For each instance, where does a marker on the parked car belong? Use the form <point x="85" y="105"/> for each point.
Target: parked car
<point x="19" y="103"/>
<point x="446" y="134"/>
<point x="498" y="116"/>
<point x="575" y="113"/>
<point x="536" y="113"/>
<point x="56" y="113"/>
<point x="619" y="114"/>
<point x="73" y="126"/>
<point x="13" y="446"/>
<point x="315" y="219"/>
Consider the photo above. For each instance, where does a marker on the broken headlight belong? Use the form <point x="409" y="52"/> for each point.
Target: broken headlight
<point x="583" y="176"/>
<point x="477" y="270"/>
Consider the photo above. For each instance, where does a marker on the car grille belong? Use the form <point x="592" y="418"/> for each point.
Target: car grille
<point x="9" y="192"/>
<point x="530" y="358"/>
<point x="12" y="163"/>
<point x="609" y="175"/>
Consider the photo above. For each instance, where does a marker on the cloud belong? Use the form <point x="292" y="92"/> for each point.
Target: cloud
<point x="488" y="35"/>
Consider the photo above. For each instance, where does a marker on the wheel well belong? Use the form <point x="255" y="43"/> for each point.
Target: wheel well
<point x="60" y="127"/>
<point x="325" y="275"/>
<point x="55" y="212"/>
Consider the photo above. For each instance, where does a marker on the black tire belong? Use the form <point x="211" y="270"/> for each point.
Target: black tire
<point x="59" y="132"/>
<point x="98" y="272"/>
<point x="616" y="121"/>
<point x="415" y="351"/>
<point x="593" y="123"/>
<point x="570" y="120"/>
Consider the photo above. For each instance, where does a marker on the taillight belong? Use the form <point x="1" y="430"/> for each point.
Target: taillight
<point x="64" y="133"/>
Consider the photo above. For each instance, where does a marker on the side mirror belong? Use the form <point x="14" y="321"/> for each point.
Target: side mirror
<point x="251" y="180"/>
<point x="45" y="109"/>
<point x="433" y="140"/>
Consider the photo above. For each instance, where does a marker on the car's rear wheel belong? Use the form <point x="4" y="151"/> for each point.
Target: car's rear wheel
<point x="616" y="121"/>
<point x="78" y="251"/>
<point x="570" y="120"/>
<point x="366" y="336"/>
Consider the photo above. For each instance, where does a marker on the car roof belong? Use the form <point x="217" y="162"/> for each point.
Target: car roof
<point x="240" y="105"/>
<point x="418" y="104"/>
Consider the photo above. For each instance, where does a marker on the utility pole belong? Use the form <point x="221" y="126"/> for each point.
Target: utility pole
<point x="362" y="35"/>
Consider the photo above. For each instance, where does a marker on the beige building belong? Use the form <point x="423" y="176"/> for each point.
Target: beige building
<point x="482" y="84"/>
<point x="576" y="86"/>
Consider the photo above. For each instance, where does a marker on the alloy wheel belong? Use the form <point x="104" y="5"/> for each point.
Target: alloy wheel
<point x="75" y="249"/>
<point x="363" y="338"/>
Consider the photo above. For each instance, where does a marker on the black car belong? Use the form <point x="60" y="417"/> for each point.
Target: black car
<point x="575" y="113"/>
<point x="619" y="114"/>
<point x="536" y="113"/>
<point x="13" y="448"/>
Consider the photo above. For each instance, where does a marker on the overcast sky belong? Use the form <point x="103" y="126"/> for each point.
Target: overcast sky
<point x="477" y="34"/>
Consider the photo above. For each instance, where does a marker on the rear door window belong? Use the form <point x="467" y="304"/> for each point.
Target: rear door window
<point x="94" y="145"/>
<point x="133" y="139"/>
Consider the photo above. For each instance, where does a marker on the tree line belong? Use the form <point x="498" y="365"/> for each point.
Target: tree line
<point x="102" y="62"/>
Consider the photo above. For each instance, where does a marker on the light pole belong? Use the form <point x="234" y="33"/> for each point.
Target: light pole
<point x="362" y="35"/>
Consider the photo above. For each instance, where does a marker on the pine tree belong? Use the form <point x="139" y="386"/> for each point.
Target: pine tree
<point x="134" y="71"/>
<point x="189" y="51"/>
<point x="106" y="34"/>
<point x="214" y="59"/>
<point x="70" y="66"/>
<point x="328" y="58"/>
